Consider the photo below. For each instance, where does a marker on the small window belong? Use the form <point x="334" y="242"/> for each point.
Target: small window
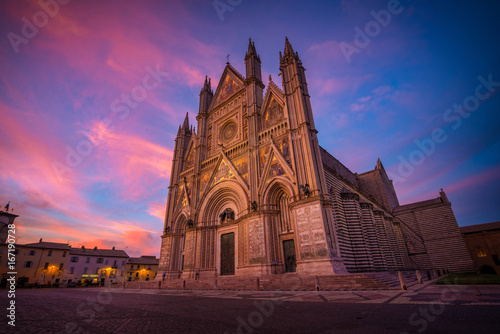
<point x="87" y="260"/>
<point x="28" y="264"/>
<point x="50" y="253"/>
<point x="64" y="254"/>
<point x="123" y="262"/>
<point x="61" y="266"/>
<point x="138" y="266"/>
<point x="106" y="262"/>
<point x="72" y="270"/>
<point x="99" y="260"/>
<point x="46" y="266"/>
<point x="149" y="267"/>
<point x="114" y="264"/>
<point x="85" y="270"/>
<point x="74" y="259"/>
<point x="136" y="274"/>
<point x="32" y="252"/>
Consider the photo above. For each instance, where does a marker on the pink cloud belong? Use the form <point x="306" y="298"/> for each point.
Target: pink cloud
<point x="475" y="181"/>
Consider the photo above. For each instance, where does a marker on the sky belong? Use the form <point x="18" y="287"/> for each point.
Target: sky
<point x="92" y="94"/>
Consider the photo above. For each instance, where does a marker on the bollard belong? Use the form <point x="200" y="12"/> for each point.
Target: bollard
<point x="419" y="278"/>
<point x="402" y="280"/>
<point x="318" y="288"/>
<point x="429" y="277"/>
<point x="258" y="284"/>
<point x="184" y="285"/>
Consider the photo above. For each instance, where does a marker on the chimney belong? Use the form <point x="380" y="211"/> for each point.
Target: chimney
<point x="40" y="240"/>
<point x="113" y="247"/>
<point x="95" y="248"/>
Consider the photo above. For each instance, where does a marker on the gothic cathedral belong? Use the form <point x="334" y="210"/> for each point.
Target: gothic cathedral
<point x="252" y="192"/>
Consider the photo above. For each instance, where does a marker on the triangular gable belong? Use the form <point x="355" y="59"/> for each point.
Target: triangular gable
<point x="183" y="200"/>
<point x="230" y="83"/>
<point x="276" y="166"/>
<point x="273" y="111"/>
<point x="189" y="159"/>
<point x="224" y="170"/>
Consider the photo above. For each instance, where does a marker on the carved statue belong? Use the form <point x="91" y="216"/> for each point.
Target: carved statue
<point x="226" y="214"/>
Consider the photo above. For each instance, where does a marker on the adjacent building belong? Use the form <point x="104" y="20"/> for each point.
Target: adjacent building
<point x="142" y="268"/>
<point x="96" y="266"/>
<point x="42" y="262"/>
<point x="253" y="193"/>
<point x="483" y="243"/>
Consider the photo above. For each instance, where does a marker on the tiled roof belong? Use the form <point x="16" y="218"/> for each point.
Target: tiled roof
<point x="143" y="260"/>
<point x="48" y="245"/>
<point x="98" y="252"/>
<point x="480" y="227"/>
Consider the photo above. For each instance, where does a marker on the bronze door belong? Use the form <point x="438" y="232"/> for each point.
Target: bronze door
<point x="227" y="254"/>
<point x="289" y="256"/>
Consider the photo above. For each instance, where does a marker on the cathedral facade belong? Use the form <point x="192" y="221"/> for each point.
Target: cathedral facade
<point x="252" y="193"/>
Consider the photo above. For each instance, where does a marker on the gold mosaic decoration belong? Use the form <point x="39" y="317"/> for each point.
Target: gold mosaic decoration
<point x="273" y="115"/>
<point x="241" y="166"/>
<point x="224" y="173"/>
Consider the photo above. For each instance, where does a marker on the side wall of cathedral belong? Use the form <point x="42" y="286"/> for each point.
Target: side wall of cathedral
<point x="432" y="235"/>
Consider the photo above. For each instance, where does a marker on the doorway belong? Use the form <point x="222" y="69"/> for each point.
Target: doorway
<point x="289" y="256"/>
<point x="227" y="254"/>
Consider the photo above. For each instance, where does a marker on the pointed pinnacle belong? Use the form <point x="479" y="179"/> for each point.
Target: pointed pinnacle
<point x="185" y="125"/>
<point x="288" y="48"/>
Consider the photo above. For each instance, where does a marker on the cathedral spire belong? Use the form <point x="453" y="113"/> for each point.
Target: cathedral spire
<point x="289" y="54"/>
<point x="185" y="125"/>
<point x="251" y="49"/>
<point x="288" y="48"/>
<point x="252" y="63"/>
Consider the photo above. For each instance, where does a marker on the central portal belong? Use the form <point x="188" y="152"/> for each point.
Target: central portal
<point x="227" y="254"/>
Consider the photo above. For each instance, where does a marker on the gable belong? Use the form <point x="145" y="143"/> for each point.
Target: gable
<point x="231" y="83"/>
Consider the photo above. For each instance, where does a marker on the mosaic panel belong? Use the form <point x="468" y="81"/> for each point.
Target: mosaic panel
<point x="190" y="159"/>
<point x="241" y="166"/>
<point x="224" y="173"/>
<point x="228" y="88"/>
<point x="273" y="115"/>
<point x="276" y="168"/>
<point x="263" y="156"/>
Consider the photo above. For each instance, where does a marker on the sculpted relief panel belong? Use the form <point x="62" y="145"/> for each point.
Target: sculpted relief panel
<point x="311" y="232"/>
<point x="165" y="254"/>
<point x="188" y="250"/>
<point x="256" y="241"/>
